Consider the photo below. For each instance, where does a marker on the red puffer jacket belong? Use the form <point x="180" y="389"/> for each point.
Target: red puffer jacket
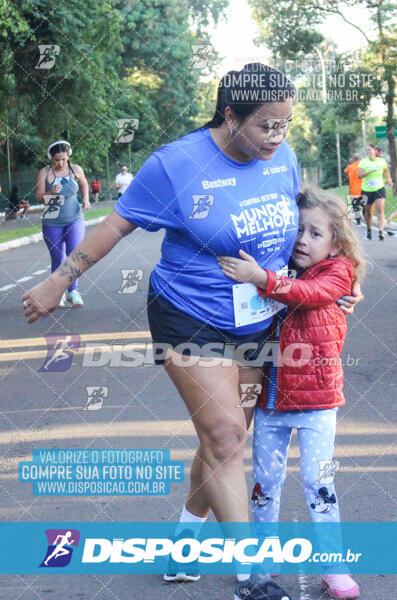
<point x="310" y="374"/>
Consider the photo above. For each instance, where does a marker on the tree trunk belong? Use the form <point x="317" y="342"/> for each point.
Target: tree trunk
<point x="390" y="125"/>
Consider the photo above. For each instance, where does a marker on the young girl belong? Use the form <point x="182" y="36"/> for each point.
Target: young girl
<point x="309" y="380"/>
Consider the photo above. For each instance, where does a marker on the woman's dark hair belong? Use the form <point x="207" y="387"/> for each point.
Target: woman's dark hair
<point x="244" y="91"/>
<point x="62" y="148"/>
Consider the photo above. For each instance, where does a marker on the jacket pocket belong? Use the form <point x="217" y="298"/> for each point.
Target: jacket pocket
<point x="318" y="367"/>
<point x="329" y="365"/>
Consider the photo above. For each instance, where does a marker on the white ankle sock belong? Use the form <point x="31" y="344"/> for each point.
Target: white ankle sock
<point x="188" y="517"/>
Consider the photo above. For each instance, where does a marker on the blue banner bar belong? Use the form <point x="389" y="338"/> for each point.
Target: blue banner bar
<point x="36" y="548"/>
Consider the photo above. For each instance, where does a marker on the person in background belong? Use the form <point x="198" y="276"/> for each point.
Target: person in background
<point x="95" y="189"/>
<point x="372" y="170"/>
<point x="63" y="223"/>
<point x="123" y="180"/>
<point x="15" y="204"/>
<point x="355" y="186"/>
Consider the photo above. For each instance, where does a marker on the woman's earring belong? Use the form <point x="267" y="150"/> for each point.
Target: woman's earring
<point x="231" y="132"/>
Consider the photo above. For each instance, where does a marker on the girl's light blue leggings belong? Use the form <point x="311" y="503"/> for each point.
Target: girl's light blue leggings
<point x="316" y="436"/>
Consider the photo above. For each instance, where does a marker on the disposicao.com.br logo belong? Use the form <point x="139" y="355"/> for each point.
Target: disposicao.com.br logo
<point x="189" y="549"/>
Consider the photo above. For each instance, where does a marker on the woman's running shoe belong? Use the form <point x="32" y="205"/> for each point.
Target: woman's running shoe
<point x="381" y="236"/>
<point x="340" y="586"/>
<point x="259" y="587"/>
<point x="63" y="303"/>
<point x="181" y="577"/>
<point x="178" y="572"/>
<point x="74" y="298"/>
<point x="369" y="234"/>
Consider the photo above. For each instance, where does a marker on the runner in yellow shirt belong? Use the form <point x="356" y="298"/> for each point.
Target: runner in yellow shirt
<point x="372" y="170"/>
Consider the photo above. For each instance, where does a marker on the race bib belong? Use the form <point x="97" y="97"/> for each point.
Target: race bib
<point x="250" y="307"/>
<point x="373" y="182"/>
<point x="52" y="206"/>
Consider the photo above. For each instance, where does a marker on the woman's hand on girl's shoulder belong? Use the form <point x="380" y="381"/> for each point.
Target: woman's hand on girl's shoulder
<point x="348" y="303"/>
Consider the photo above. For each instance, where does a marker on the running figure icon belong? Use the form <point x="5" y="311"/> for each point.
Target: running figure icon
<point x="54" y="206"/>
<point x="131" y="280"/>
<point x="60" y="353"/>
<point x="201" y="206"/>
<point x="59" y="549"/>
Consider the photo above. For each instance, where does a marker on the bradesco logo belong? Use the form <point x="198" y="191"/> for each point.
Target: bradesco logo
<point x="187" y="550"/>
<point x="59" y="550"/>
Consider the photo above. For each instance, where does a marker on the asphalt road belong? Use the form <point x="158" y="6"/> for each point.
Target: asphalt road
<point x="142" y="410"/>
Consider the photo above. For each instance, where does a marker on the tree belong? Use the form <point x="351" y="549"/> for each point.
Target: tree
<point x="288" y="27"/>
<point x="73" y="97"/>
<point x="112" y="59"/>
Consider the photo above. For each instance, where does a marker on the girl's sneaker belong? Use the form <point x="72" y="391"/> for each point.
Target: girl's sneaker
<point x="63" y="303"/>
<point x="74" y="298"/>
<point x="340" y="586"/>
<point x="259" y="587"/>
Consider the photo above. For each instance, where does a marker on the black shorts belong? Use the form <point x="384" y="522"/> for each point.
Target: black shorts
<point x="372" y="196"/>
<point x="172" y="328"/>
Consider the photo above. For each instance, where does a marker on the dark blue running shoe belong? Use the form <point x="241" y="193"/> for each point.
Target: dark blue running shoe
<point x="259" y="587"/>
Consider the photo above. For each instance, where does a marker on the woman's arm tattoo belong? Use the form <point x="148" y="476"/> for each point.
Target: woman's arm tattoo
<point x="78" y="255"/>
<point x="72" y="271"/>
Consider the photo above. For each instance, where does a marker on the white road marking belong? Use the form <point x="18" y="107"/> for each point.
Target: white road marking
<point x="40" y="272"/>
<point x="5" y="288"/>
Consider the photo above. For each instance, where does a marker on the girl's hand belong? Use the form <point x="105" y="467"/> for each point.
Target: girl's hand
<point x="56" y="189"/>
<point x="41" y="300"/>
<point x="347" y="303"/>
<point x="244" y="271"/>
<point x="86" y="204"/>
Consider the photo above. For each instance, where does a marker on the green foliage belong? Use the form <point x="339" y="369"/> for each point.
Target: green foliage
<point x="301" y="138"/>
<point x="207" y="93"/>
<point x="117" y="59"/>
<point x="288" y="28"/>
<point x="72" y="99"/>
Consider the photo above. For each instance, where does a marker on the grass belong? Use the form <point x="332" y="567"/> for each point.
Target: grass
<point x="13" y="234"/>
<point x="391" y="200"/>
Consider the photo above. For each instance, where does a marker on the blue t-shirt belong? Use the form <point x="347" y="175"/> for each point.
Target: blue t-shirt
<point x="212" y="205"/>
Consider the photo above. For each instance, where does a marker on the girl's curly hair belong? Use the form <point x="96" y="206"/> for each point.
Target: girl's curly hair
<point x="341" y="223"/>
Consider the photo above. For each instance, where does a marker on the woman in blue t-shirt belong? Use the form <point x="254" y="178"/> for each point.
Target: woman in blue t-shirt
<point x="228" y="186"/>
